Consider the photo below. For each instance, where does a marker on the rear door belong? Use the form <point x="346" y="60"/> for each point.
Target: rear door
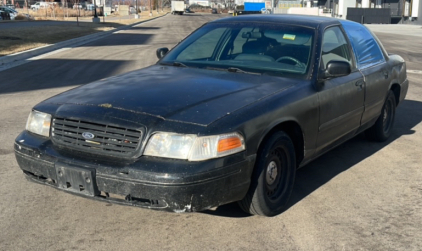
<point x="372" y="64"/>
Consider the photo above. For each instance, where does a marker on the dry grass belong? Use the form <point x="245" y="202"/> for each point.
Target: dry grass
<point x="56" y="13"/>
<point x="24" y="38"/>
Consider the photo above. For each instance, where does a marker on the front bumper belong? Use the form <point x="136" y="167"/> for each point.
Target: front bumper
<point x="148" y="182"/>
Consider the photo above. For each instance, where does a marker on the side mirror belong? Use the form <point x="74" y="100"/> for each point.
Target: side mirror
<point x="161" y="52"/>
<point x="336" y="69"/>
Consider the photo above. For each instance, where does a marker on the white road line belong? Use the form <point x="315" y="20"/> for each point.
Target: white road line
<point x="49" y="54"/>
<point x="414" y="71"/>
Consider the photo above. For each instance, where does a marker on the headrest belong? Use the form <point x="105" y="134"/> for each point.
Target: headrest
<point x="254" y="47"/>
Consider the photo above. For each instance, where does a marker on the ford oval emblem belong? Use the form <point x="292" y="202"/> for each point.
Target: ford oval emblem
<point x="88" y="135"/>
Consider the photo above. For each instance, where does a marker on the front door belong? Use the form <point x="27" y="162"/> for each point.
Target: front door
<point x="341" y="99"/>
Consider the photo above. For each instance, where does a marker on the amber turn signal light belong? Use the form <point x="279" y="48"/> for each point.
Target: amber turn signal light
<point x="228" y="144"/>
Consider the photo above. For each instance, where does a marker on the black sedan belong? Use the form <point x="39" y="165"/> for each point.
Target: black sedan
<point x="227" y="115"/>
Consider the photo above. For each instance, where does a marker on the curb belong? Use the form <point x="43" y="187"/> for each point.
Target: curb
<point x="12" y="58"/>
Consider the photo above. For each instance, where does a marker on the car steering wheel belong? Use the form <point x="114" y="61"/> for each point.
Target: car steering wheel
<point x="298" y="63"/>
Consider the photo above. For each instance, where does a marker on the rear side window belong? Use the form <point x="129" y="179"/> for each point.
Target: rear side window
<point x="366" y="49"/>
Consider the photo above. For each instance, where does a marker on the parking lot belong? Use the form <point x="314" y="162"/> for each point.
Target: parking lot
<point x="360" y="196"/>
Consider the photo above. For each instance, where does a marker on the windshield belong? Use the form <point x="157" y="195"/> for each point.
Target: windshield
<point x="261" y="48"/>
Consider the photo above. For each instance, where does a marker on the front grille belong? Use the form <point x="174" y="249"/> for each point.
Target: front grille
<point x="108" y="140"/>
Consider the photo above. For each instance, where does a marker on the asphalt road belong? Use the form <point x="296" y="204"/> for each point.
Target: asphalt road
<point x="360" y="196"/>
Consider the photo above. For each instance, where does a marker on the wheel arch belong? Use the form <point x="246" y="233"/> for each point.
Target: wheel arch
<point x="295" y="132"/>
<point x="396" y="89"/>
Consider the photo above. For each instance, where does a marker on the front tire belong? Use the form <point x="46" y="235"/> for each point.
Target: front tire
<point x="273" y="177"/>
<point x="383" y="127"/>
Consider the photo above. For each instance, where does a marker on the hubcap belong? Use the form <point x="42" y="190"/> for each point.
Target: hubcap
<point x="271" y="172"/>
<point x="387" y="117"/>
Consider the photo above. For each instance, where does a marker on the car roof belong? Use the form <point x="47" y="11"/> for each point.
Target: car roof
<point x="302" y="20"/>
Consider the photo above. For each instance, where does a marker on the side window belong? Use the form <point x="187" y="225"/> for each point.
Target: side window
<point x="334" y="47"/>
<point x="364" y="46"/>
<point x="203" y="47"/>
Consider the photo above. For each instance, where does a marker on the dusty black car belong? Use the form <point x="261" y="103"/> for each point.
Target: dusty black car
<point x="227" y="115"/>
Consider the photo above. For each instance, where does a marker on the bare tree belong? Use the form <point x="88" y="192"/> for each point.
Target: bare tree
<point x="27" y="8"/>
<point x="64" y="6"/>
<point x="166" y="2"/>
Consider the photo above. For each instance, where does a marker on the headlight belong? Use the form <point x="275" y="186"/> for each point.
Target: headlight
<point x="192" y="147"/>
<point x="39" y="123"/>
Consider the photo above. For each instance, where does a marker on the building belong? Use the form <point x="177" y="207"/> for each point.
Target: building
<point x="199" y="2"/>
<point x="242" y="2"/>
<point x="402" y="11"/>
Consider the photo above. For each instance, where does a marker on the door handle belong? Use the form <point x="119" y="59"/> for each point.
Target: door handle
<point x="360" y="83"/>
<point x="385" y="74"/>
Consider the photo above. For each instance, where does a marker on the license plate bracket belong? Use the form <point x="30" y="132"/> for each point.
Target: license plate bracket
<point x="76" y="179"/>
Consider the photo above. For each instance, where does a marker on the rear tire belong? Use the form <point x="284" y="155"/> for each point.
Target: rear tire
<point x="383" y="127"/>
<point x="273" y="177"/>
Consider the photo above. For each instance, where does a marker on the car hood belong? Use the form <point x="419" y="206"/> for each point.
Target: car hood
<point x="187" y="95"/>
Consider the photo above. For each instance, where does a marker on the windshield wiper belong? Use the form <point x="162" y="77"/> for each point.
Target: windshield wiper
<point x="232" y="69"/>
<point x="178" y="64"/>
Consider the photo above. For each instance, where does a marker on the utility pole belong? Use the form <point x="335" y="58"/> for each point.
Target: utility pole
<point x="95" y="19"/>
<point x="137" y="9"/>
<point x="272" y="6"/>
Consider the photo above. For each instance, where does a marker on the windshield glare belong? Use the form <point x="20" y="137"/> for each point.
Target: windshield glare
<point x="253" y="47"/>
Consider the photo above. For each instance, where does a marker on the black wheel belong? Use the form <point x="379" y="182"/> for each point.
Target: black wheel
<point x="382" y="128"/>
<point x="273" y="177"/>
